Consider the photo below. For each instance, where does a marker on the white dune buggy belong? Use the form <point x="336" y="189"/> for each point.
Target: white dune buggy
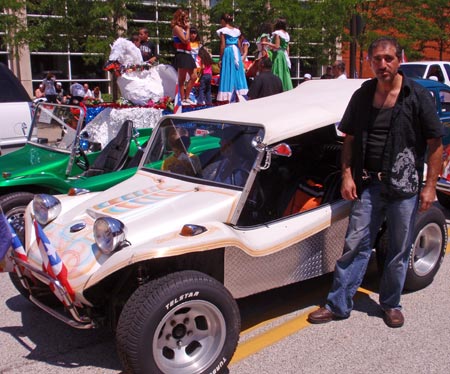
<point x="162" y="256"/>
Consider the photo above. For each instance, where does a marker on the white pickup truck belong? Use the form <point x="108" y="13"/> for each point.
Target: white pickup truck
<point x="435" y="70"/>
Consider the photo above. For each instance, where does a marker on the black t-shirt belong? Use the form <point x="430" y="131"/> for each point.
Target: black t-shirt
<point x="378" y="130"/>
<point x="148" y="50"/>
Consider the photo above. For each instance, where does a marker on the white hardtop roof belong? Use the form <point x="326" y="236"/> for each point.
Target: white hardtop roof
<point x="309" y="106"/>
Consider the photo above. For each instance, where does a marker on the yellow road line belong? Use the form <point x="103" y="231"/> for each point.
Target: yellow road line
<point x="447" y="250"/>
<point x="274" y="335"/>
<point x="270" y="337"/>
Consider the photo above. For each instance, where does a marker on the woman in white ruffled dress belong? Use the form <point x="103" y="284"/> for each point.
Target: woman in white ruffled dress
<point x="232" y="74"/>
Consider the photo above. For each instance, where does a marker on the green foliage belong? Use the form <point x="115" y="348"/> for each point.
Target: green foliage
<point x="83" y="25"/>
<point x="418" y="24"/>
<point x="315" y="27"/>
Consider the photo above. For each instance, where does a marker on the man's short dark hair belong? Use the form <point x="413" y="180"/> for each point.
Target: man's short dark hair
<point x="265" y="63"/>
<point x="385" y="41"/>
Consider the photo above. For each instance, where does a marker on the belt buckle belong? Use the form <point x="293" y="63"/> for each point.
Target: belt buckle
<point x="365" y="175"/>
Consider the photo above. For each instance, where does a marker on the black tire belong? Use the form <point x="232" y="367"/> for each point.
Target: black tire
<point x="428" y="250"/>
<point x="13" y="206"/>
<point x="443" y="198"/>
<point x="183" y="323"/>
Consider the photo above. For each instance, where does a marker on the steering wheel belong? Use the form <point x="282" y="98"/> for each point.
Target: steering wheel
<point x="82" y="161"/>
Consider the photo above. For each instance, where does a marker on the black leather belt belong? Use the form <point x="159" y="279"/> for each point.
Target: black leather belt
<point x="373" y="175"/>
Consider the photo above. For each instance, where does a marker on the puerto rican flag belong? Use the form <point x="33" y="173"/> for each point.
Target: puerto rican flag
<point x="8" y="239"/>
<point x="5" y="236"/>
<point x="51" y="262"/>
<point x="17" y="245"/>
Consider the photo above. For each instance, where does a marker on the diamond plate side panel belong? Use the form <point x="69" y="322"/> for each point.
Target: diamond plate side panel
<point x="315" y="256"/>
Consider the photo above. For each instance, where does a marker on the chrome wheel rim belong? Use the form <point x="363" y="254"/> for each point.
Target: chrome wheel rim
<point x="16" y="218"/>
<point x="427" y="249"/>
<point x="189" y="338"/>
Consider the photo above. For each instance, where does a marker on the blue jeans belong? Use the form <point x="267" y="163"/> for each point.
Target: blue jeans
<point x="365" y="220"/>
<point x="205" y="89"/>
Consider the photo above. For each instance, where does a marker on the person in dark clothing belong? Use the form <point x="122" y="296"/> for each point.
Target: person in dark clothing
<point x="328" y="74"/>
<point x="49" y="84"/>
<point x="148" y="48"/>
<point x="266" y="83"/>
<point x="391" y="125"/>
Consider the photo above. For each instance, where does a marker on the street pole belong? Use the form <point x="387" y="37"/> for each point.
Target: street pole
<point x="353" y="32"/>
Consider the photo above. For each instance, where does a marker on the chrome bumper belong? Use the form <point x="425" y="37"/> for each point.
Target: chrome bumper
<point x="78" y="321"/>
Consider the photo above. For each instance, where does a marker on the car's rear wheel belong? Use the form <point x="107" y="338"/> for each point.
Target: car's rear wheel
<point x="428" y="250"/>
<point x="184" y="323"/>
<point x="14" y="206"/>
<point x="430" y="238"/>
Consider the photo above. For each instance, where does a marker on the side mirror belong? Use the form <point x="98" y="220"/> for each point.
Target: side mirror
<point x="281" y="149"/>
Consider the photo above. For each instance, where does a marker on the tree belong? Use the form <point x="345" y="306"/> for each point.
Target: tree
<point x="80" y="25"/>
<point x="418" y="24"/>
<point x="12" y="21"/>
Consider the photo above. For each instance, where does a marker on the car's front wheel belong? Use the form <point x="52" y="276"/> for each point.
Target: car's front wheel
<point x="183" y="323"/>
<point x="14" y="206"/>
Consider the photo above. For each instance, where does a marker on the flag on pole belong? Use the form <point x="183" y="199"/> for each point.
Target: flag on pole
<point x="17" y="245"/>
<point x="8" y="239"/>
<point x="177" y="101"/>
<point x="51" y="262"/>
<point x="404" y="59"/>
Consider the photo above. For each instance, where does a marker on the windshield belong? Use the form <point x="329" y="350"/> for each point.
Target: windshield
<point x="55" y="126"/>
<point x="413" y="70"/>
<point x="217" y="152"/>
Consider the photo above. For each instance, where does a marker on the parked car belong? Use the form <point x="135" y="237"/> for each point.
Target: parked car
<point x="60" y="154"/>
<point x="163" y="256"/>
<point x="15" y="110"/>
<point x="434" y="70"/>
<point x="441" y="95"/>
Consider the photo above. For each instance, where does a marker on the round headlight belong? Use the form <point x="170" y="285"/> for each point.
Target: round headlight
<point x="109" y="233"/>
<point x="46" y="208"/>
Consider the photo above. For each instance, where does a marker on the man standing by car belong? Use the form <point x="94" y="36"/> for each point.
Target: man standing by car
<point x="389" y="123"/>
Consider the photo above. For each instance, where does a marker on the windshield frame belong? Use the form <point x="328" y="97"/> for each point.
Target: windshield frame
<point x="57" y="117"/>
<point x="57" y="120"/>
<point x="205" y="137"/>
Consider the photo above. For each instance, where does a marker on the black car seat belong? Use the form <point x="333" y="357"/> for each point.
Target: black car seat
<point x="115" y="154"/>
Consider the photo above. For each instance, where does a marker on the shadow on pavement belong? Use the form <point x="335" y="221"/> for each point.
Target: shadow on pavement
<point x="51" y="341"/>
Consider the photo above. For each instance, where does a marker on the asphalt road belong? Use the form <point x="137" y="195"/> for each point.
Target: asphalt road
<point x="275" y="339"/>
